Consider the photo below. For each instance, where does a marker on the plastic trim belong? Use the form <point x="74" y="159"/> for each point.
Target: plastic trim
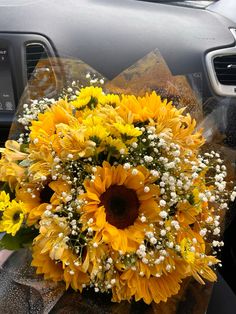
<point x="220" y="89"/>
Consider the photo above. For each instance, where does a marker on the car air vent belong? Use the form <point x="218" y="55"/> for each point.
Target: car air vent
<point x="221" y="66"/>
<point x="40" y="71"/>
<point x="225" y="68"/>
<point x="34" y="53"/>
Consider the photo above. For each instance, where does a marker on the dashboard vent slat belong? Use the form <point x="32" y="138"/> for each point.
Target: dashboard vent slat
<point x="34" y="53"/>
<point x="225" y="69"/>
<point x="40" y="71"/>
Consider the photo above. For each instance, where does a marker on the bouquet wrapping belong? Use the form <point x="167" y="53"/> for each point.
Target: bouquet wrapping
<point x="113" y="188"/>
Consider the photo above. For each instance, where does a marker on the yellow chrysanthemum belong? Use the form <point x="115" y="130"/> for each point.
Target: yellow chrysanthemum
<point x="115" y="146"/>
<point x="115" y="201"/>
<point x="112" y="100"/>
<point x="169" y="121"/>
<point x="13" y="217"/>
<point x="142" y="109"/>
<point x="88" y="97"/>
<point x="127" y="131"/>
<point x="45" y="126"/>
<point x="97" y="134"/>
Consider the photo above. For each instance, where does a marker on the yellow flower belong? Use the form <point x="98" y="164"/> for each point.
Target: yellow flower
<point x="50" y="246"/>
<point x="13" y="217"/>
<point x="43" y="132"/>
<point x="115" y="147"/>
<point x="72" y="141"/>
<point x="185" y="248"/>
<point x="46" y="266"/>
<point x="88" y="97"/>
<point x="127" y="131"/>
<point x="12" y="151"/>
<point x="4" y="203"/>
<point x="142" y="109"/>
<point x="35" y="201"/>
<point x="169" y="121"/>
<point x="149" y="284"/>
<point x="97" y="134"/>
<point x="4" y="200"/>
<point x="10" y="170"/>
<point x="112" y="100"/>
<point x="115" y="201"/>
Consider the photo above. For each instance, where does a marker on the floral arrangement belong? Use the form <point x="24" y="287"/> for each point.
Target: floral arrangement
<point x="113" y="194"/>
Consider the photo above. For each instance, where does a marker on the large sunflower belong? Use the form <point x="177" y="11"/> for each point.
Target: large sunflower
<point x="116" y="200"/>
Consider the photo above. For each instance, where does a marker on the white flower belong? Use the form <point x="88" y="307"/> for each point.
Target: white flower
<point x="154" y="173"/>
<point x="216" y="231"/>
<point x="126" y="166"/>
<point x="163" y="232"/>
<point x="162" y="203"/>
<point x="146" y="189"/>
<point x="163" y="214"/>
<point x="203" y="232"/>
<point x="143" y="218"/>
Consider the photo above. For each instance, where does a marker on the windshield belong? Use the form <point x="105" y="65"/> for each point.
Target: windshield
<point x="187" y="3"/>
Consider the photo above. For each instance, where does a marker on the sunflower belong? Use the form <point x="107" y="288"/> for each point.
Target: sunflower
<point x="149" y="285"/>
<point x="13" y="217"/>
<point x="53" y="257"/>
<point x="115" y="201"/>
<point x="35" y="200"/>
<point x="4" y="200"/>
<point x="4" y="203"/>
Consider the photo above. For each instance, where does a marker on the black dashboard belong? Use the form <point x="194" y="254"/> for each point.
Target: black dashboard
<point x="108" y="35"/>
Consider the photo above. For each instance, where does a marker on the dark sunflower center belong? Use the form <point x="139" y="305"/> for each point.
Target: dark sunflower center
<point x="46" y="194"/>
<point x="16" y="216"/>
<point x="1" y="214"/>
<point x="121" y="206"/>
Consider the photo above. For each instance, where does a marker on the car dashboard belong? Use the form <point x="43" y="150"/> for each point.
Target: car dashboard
<point x="110" y="36"/>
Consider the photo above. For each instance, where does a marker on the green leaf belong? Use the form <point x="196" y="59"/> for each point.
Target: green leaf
<point x="25" y="163"/>
<point x="24" y="148"/>
<point x="23" y="238"/>
<point x="4" y="186"/>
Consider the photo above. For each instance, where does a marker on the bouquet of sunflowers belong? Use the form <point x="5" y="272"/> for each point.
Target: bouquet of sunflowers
<point x="112" y="193"/>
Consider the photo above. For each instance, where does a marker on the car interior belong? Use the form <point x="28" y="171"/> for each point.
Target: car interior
<point x="110" y="36"/>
